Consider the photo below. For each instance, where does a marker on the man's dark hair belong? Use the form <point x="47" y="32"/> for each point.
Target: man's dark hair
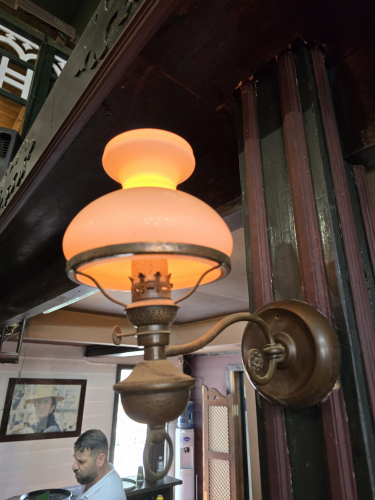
<point x="93" y="440"/>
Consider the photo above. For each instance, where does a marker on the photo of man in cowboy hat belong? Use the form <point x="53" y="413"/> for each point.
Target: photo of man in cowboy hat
<point x="45" y="405"/>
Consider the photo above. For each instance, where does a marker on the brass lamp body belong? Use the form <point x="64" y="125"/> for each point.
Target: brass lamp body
<point x="290" y="353"/>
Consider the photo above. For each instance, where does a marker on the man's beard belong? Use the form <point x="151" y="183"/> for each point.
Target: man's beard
<point x="90" y="476"/>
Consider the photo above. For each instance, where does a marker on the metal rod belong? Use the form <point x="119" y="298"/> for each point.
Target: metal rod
<point x="102" y="289"/>
<point x="216" y="330"/>
<point x="197" y="284"/>
<point x="20" y="338"/>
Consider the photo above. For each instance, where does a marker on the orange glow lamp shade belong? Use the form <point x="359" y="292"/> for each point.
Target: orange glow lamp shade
<point x="148" y="220"/>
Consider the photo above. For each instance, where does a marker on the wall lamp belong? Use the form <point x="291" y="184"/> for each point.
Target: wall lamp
<point x="147" y="238"/>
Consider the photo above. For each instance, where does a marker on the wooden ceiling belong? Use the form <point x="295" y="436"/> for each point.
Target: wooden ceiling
<point x="183" y="80"/>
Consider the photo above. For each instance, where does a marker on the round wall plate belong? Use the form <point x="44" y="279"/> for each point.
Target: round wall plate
<point x="313" y="370"/>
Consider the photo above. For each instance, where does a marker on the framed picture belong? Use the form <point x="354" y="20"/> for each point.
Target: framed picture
<point x="42" y="409"/>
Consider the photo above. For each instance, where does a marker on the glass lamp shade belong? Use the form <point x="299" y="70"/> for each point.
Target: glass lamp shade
<point x="150" y="211"/>
<point x="148" y="157"/>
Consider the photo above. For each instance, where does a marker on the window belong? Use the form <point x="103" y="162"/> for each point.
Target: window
<point x="128" y="437"/>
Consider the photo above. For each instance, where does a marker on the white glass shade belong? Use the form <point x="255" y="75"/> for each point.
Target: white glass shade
<point x="147" y="214"/>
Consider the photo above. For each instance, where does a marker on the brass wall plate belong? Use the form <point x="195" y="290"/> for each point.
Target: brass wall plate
<point x="311" y="372"/>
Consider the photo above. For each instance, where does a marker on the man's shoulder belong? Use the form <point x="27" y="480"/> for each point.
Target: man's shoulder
<point x="116" y="488"/>
<point x="110" y="486"/>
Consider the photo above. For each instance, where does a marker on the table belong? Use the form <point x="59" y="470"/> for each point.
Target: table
<point x="151" y="491"/>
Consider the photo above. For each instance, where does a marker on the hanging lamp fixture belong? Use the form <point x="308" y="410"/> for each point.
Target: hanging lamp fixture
<point x="149" y="237"/>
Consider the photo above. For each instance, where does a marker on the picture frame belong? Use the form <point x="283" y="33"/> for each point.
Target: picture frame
<point x="42" y="409"/>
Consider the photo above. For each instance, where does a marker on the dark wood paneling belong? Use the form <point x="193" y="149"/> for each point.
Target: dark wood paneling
<point x="244" y="208"/>
<point x="239" y="37"/>
<point x="354" y="76"/>
<point x="314" y="285"/>
<point x="352" y="250"/>
<point x="307" y="461"/>
<point x="253" y="190"/>
<point x="340" y="302"/>
<point x="367" y="209"/>
<point x="286" y="279"/>
<point x="343" y="26"/>
<point x="242" y="37"/>
<point x="362" y="240"/>
<point x="365" y="157"/>
<point x="261" y="280"/>
<point x="305" y="438"/>
<point x="307" y="233"/>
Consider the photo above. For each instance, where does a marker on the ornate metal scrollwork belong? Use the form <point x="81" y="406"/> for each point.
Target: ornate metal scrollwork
<point x="302" y="365"/>
<point x="256" y="360"/>
<point x="16" y="173"/>
<point x="105" y="27"/>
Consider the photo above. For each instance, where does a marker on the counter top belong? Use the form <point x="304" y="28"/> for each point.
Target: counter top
<point x="167" y="482"/>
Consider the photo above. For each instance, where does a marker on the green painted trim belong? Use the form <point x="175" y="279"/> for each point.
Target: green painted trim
<point x="13" y="97"/>
<point x="16" y="60"/>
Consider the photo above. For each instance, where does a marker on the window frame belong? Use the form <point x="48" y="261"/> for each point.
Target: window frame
<point x="115" y="410"/>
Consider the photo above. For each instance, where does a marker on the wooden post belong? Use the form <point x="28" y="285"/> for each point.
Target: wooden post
<point x="311" y="262"/>
<point x="291" y="154"/>
<point x="279" y="483"/>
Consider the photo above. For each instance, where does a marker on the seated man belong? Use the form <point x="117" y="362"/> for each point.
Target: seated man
<point x="99" y="479"/>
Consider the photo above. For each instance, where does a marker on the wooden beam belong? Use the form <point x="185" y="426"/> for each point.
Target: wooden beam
<point x="18" y="123"/>
<point x="13" y="97"/>
<point x="9" y="111"/>
<point x="26" y="30"/>
<point x="43" y="15"/>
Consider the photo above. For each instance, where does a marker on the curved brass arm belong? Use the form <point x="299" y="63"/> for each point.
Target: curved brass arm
<point x="177" y="350"/>
<point x="156" y="436"/>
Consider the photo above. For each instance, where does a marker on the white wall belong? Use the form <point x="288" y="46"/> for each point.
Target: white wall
<point x="30" y="465"/>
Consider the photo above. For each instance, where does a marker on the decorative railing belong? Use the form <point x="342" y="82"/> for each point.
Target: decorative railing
<point x="27" y="52"/>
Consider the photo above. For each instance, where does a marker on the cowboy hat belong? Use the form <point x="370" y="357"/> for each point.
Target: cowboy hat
<point x="45" y="391"/>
